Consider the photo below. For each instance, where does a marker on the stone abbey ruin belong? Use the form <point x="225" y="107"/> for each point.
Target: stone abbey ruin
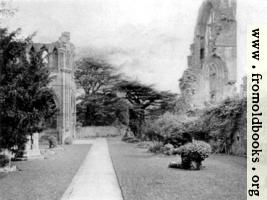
<point x="211" y="73"/>
<point x="59" y="58"/>
<point x="209" y="78"/>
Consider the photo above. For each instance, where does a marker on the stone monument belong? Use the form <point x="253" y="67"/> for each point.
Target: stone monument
<point x="32" y="150"/>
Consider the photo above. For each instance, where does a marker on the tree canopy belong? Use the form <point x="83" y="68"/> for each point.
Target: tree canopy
<point x="145" y="97"/>
<point x="95" y="76"/>
<point x="99" y="105"/>
<point x="146" y="103"/>
<point x="25" y="99"/>
<point x="103" y="104"/>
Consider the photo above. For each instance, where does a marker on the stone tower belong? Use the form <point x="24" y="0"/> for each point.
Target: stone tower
<point x="59" y="58"/>
<point x="211" y="73"/>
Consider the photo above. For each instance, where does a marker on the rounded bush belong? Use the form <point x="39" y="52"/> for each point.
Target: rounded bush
<point x="3" y="160"/>
<point x="196" y="152"/>
<point x="68" y="141"/>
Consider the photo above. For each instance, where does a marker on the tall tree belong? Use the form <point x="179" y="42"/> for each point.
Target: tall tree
<point x="25" y="99"/>
<point x="98" y="104"/>
<point x="147" y="102"/>
<point x="95" y="76"/>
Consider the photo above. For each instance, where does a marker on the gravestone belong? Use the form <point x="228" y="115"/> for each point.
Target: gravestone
<point x="32" y="150"/>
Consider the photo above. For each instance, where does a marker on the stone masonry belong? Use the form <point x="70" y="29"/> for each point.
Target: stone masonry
<point x="211" y="73"/>
<point x="59" y="58"/>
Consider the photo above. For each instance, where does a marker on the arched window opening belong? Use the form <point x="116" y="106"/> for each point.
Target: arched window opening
<point x="31" y="53"/>
<point x="44" y="55"/>
<point x="54" y="58"/>
<point x="202" y="53"/>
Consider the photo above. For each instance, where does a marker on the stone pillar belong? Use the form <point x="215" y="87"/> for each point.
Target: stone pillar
<point x="66" y="87"/>
<point x="62" y="125"/>
<point x="74" y="115"/>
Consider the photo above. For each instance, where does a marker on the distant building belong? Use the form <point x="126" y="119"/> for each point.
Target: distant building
<point x="59" y="58"/>
<point x="212" y="71"/>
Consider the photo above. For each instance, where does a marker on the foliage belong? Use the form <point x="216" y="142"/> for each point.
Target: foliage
<point x="100" y="104"/>
<point x="168" y="128"/>
<point x="196" y="151"/>
<point x="156" y="147"/>
<point x="147" y="103"/>
<point x="4" y="160"/>
<point x="216" y="124"/>
<point x="146" y="98"/>
<point x="25" y="99"/>
<point x="219" y="123"/>
<point x="95" y="76"/>
<point x="101" y="109"/>
<point x="192" y="155"/>
<point x="68" y="141"/>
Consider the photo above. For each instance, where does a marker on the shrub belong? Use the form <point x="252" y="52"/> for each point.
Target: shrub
<point x="166" y="123"/>
<point x="217" y="124"/>
<point x="156" y="147"/>
<point x="151" y="132"/>
<point x="68" y="141"/>
<point x="221" y="122"/>
<point x="167" y="149"/>
<point x="196" y="151"/>
<point x="4" y="160"/>
<point x="169" y="129"/>
<point x="178" y="138"/>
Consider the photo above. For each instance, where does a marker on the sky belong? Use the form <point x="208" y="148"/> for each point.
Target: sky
<point x="148" y="40"/>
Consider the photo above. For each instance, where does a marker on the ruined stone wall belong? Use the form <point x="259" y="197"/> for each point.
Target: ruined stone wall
<point x="239" y="140"/>
<point x="211" y="73"/>
<point x="59" y="58"/>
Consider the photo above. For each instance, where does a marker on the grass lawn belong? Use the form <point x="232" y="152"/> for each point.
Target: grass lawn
<point x="43" y="179"/>
<point x="145" y="176"/>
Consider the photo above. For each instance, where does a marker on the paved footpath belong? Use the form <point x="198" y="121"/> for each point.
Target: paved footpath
<point x="96" y="178"/>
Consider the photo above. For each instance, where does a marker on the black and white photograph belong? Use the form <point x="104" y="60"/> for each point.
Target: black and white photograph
<point x="132" y="99"/>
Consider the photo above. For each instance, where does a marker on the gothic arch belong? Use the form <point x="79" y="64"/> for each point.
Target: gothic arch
<point x="29" y="51"/>
<point x="203" y="17"/>
<point x="52" y="123"/>
<point x="215" y="76"/>
<point x="203" y="31"/>
<point x="54" y="58"/>
<point x="64" y="89"/>
<point x="45" y="54"/>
